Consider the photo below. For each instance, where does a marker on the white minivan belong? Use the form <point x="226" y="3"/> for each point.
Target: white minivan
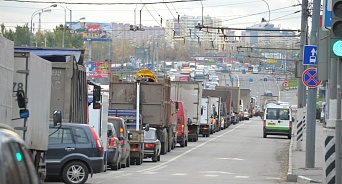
<point x="278" y="120"/>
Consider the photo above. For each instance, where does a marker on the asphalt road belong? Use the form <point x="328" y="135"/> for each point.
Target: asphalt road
<point x="238" y="154"/>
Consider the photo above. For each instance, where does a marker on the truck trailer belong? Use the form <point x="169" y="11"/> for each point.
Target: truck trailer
<point x="25" y="86"/>
<point x="190" y="93"/>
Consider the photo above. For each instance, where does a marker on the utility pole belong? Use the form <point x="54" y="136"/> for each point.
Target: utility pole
<point x="300" y="67"/>
<point x="312" y="94"/>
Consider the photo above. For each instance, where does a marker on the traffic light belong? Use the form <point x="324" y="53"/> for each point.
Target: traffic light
<point x="336" y="29"/>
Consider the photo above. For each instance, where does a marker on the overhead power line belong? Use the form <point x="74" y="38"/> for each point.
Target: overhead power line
<point x="157" y="2"/>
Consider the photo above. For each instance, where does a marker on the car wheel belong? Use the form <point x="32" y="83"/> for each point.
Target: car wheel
<point x="124" y="164"/>
<point x="75" y="172"/>
<point x="186" y="143"/>
<point x="155" y="158"/>
<point x="158" y="158"/>
<point x="128" y="161"/>
<point x="182" y="144"/>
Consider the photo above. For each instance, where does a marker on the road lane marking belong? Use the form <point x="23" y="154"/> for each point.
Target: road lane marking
<point x="239" y="159"/>
<point x="241" y="176"/>
<point x="179" y="174"/>
<point x="217" y="172"/>
<point x="211" y="175"/>
<point x="188" y="151"/>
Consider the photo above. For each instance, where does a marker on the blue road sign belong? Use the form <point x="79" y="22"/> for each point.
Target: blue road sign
<point x="278" y="78"/>
<point x="265" y="79"/>
<point x="310" y="55"/>
<point x="232" y="79"/>
<point x="250" y="80"/>
<point x="227" y="84"/>
<point x="327" y="11"/>
<point x="309" y="78"/>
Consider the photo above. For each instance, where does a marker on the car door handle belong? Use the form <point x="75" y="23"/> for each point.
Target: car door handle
<point x="69" y="149"/>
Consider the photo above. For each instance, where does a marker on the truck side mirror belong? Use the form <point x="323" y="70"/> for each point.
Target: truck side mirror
<point x="21" y="99"/>
<point x="201" y="110"/>
<point x="176" y="105"/>
<point x="57" y="118"/>
<point x="293" y="119"/>
<point x="189" y="121"/>
<point x="97" y="93"/>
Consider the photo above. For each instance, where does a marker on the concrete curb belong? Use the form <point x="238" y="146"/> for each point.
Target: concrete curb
<point x="290" y="176"/>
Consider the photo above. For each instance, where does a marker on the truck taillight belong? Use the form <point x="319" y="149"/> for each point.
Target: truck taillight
<point x="112" y="142"/>
<point x="290" y="124"/>
<point x="96" y="138"/>
<point x="264" y="123"/>
<point x="122" y="142"/>
<point x="149" y="145"/>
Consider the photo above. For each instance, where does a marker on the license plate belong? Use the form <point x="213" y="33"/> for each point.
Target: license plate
<point x="271" y="124"/>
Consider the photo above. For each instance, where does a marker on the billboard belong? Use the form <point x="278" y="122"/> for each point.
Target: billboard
<point x="97" y="69"/>
<point x="93" y="30"/>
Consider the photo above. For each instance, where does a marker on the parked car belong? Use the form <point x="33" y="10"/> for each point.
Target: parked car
<point x="16" y="160"/>
<point x="74" y="152"/>
<point x="246" y="115"/>
<point x="114" y="148"/>
<point x="152" y="145"/>
<point x="234" y="119"/>
<point x="122" y="132"/>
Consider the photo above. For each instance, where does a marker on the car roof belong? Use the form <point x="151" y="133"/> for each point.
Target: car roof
<point x="67" y="124"/>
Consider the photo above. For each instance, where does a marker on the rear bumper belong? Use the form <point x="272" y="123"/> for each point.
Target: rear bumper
<point x="277" y="132"/>
<point x="149" y="153"/>
<point x="97" y="164"/>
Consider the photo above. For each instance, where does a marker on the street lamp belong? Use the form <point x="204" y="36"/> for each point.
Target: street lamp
<point x="269" y="13"/>
<point x="34" y="14"/>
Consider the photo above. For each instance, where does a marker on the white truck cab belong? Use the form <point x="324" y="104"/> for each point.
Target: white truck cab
<point x="278" y="119"/>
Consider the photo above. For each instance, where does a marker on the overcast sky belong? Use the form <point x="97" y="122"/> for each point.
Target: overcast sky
<point x="234" y="13"/>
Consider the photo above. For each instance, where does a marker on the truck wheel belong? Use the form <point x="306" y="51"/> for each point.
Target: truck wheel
<point x="169" y="147"/>
<point x="138" y="160"/>
<point x="289" y="136"/>
<point x="265" y="135"/>
<point x="128" y="161"/>
<point x="186" y="143"/>
<point x="132" y="160"/>
<point x="75" y="172"/>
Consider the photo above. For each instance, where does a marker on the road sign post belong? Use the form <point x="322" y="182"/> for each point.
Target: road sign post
<point x="310" y="55"/>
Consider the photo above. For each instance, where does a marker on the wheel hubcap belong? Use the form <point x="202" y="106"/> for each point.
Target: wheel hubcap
<point x="75" y="173"/>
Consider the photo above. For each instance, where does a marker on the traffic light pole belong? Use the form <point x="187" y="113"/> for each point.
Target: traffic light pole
<point x="338" y="126"/>
<point x="312" y="95"/>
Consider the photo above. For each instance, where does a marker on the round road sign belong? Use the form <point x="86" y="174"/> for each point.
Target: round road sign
<point x="309" y="78"/>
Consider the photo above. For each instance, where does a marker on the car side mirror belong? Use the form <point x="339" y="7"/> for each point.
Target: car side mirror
<point x="57" y="118"/>
<point x="147" y="127"/>
<point x="130" y="136"/>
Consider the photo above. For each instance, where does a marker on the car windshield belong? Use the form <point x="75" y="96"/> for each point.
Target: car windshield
<point x="149" y="134"/>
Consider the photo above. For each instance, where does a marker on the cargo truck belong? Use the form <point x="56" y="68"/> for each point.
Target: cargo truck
<point x="182" y="126"/>
<point x="153" y="99"/>
<point x="190" y="93"/>
<point x="69" y="84"/>
<point x="25" y="86"/>
<point x="215" y="117"/>
<point x="207" y="116"/>
<point x="226" y="101"/>
<point x="264" y="99"/>
<point x="245" y="95"/>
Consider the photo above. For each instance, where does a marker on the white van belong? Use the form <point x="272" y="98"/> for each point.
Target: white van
<point x="278" y="120"/>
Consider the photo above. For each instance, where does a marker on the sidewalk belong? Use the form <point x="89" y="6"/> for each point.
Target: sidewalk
<point x="297" y="173"/>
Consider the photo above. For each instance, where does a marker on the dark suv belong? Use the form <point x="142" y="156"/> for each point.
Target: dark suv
<point x="74" y="151"/>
